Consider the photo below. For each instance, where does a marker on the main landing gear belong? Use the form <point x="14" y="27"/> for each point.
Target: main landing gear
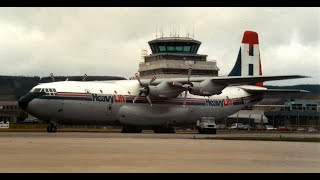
<point x="161" y="129"/>
<point x="51" y="128"/>
<point x="131" y="129"/>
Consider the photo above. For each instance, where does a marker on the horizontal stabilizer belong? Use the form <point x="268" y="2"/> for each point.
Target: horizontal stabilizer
<point x="271" y="91"/>
<point x="252" y="79"/>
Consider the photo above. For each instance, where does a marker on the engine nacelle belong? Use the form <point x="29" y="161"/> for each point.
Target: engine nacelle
<point x="164" y="90"/>
<point x="206" y="88"/>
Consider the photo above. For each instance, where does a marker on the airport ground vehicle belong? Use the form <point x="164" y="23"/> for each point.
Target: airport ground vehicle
<point x="237" y="126"/>
<point x="206" y="125"/>
<point x="311" y="129"/>
<point x="221" y="126"/>
<point x="281" y="128"/>
<point x="31" y="120"/>
<point x="270" y="127"/>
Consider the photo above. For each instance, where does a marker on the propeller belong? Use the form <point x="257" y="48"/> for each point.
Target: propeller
<point x="186" y="86"/>
<point x="144" y="90"/>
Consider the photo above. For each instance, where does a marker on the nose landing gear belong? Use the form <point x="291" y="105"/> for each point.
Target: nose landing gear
<point x="51" y="128"/>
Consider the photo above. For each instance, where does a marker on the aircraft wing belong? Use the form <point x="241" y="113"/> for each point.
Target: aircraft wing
<point x="225" y="80"/>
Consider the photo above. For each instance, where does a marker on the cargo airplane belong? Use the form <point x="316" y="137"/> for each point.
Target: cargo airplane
<point x="160" y="104"/>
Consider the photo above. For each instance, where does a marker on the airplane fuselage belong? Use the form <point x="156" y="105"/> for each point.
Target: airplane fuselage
<point x="110" y="103"/>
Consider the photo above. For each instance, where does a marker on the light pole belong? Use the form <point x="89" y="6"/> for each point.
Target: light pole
<point x="237" y="118"/>
<point x="261" y="122"/>
<point x="249" y="122"/>
<point x="225" y="123"/>
<point x="273" y="121"/>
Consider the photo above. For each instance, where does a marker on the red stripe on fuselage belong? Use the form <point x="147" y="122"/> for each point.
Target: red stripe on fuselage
<point x="73" y="94"/>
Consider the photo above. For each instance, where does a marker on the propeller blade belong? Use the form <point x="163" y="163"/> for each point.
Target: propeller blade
<point x="185" y="99"/>
<point x="153" y="79"/>
<point x="138" y="78"/>
<point x="149" y="100"/>
<point x="189" y="73"/>
<point x="134" y="100"/>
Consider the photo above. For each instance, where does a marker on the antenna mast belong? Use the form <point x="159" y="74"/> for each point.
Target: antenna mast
<point x="193" y="31"/>
<point x="162" y="30"/>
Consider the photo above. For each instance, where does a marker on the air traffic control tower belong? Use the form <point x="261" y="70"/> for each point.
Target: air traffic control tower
<point x="171" y="57"/>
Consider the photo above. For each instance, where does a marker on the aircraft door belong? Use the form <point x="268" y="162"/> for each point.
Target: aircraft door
<point x="109" y="109"/>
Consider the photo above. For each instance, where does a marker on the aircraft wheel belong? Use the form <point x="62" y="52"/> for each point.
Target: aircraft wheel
<point x="164" y="130"/>
<point x="54" y="129"/>
<point x="129" y="129"/>
<point x="51" y="128"/>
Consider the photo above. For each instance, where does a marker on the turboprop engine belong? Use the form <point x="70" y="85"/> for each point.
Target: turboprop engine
<point x="162" y="90"/>
<point x="205" y="88"/>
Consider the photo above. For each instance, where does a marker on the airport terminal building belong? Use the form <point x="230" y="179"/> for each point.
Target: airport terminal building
<point x="290" y="114"/>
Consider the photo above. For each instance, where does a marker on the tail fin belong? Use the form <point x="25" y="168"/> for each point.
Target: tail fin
<point x="248" y="62"/>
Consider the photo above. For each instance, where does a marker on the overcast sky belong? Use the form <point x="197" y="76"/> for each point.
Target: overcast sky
<point x="108" y="40"/>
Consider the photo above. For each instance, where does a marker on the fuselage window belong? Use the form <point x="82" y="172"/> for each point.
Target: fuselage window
<point x="101" y="91"/>
<point x="115" y="92"/>
<point x="129" y="92"/>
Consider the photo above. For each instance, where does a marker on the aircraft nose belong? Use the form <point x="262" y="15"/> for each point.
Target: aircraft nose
<point x="24" y="101"/>
<point x="23" y="104"/>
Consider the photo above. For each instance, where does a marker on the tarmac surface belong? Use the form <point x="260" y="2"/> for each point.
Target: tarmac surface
<point x="148" y="152"/>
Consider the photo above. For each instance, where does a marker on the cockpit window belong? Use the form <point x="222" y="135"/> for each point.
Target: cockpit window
<point x="36" y="90"/>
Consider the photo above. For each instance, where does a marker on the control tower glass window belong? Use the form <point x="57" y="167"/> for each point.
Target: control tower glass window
<point x="162" y="48"/>
<point x="186" y="48"/>
<point x="174" y="45"/>
<point x="171" y="48"/>
<point x="175" y="48"/>
<point x="179" y="48"/>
